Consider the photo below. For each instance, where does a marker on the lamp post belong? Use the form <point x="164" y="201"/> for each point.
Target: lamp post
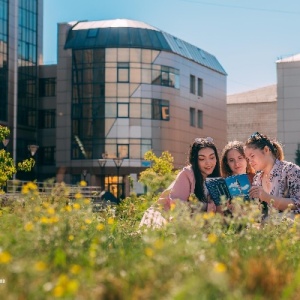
<point x="5" y="143"/>
<point x="118" y="162"/>
<point x="84" y="173"/>
<point x="102" y="161"/>
<point x="32" y="149"/>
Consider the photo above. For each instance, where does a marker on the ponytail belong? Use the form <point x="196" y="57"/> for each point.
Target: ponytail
<point x="277" y="150"/>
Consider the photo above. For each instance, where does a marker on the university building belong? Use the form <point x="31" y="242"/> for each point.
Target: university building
<point x="119" y="88"/>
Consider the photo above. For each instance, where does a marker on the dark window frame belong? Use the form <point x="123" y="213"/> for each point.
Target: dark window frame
<point x="192" y="84"/>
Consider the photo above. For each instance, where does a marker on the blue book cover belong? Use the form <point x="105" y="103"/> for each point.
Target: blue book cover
<point x="230" y="187"/>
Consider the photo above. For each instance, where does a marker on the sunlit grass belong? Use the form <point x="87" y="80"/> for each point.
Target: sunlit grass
<point x="58" y="248"/>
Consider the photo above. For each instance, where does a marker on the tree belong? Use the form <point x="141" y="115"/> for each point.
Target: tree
<point x="7" y="165"/>
<point x="160" y="174"/>
<point x="297" y="159"/>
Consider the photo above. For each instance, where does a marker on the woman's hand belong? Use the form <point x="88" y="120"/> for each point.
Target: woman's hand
<point x="211" y="207"/>
<point x="258" y="192"/>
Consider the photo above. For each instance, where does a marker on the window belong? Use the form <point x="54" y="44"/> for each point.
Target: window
<point x="47" y="87"/>
<point x="47" y="156"/>
<point x="123" y="72"/>
<point x="47" y="118"/>
<point x="192" y="84"/>
<point x="166" y="76"/>
<point x="200" y="87"/>
<point x="123" y="110"/>
<point x="92" y="33"/>
<point x="123" y="150"/>
<point x="200" y="118"/>
<point x="192" y="117"/>
<point x="160" y="110"/>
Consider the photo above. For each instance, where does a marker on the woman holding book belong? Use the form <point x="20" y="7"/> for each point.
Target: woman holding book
<point x="276" y="181"/>
<point x="203" y="162"/>
<point x="233" y="161"/>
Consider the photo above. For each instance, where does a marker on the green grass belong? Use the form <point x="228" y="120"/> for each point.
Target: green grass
<point x="50" y="249"/>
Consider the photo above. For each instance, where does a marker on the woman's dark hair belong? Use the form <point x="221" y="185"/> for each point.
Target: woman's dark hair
<point x="238" y="146"/>
<point x="259" y="141"/>
<point x="199" y="144"/>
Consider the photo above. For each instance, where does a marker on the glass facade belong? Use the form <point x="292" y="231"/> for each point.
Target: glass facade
<point x="3" y="60"/>
<point x="27" y="63"/>
<point x="103" y="83"/>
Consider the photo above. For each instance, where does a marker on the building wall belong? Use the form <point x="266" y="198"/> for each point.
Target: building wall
<point x="24" y="54"/>
<point x="47" y="134"/>
<point x="288" y="108"/>
<point x="252" y="111"/>
<point x="174" y="135"/>
<point x="177" y="134"/>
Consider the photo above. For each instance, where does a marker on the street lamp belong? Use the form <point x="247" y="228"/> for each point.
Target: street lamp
<point x="5" y="143"/>
<point x="118" y="162"/>
<point x="32" y="149"/>
<point x="84" y="173"/>
<point x="102" y="161"/>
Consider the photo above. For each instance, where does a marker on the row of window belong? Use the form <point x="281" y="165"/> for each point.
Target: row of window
<point x="193" y="86"/>
<point x="165" y="76"/>
<point x="125" y="148"/>
<point x="155" y="109"/>
<point x="90" y="78"/>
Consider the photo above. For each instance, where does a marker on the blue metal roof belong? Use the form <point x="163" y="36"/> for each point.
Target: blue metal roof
<point x="123" y="33"/>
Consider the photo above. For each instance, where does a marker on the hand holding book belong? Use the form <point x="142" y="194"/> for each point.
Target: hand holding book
<point x="230" y="187"/>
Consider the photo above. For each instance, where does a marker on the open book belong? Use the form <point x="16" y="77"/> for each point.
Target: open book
<point x="230" y="187"/>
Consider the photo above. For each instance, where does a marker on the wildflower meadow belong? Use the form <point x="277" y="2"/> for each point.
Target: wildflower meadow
<point x="57" y="247"/>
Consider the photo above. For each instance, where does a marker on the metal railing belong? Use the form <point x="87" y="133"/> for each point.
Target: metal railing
<point x="47" y="188"/>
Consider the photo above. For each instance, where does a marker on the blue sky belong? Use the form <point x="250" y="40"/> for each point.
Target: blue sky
<point x="247" y="37"/>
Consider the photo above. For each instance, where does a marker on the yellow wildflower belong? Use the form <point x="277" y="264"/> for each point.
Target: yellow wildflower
<point x="46" y="204"/>
<point x="28" y="226"/>
<point x="76" y="206"/>
<point x="212" y="238"/>
<point x="209" y="215"/>
<point x="110" y="221"/>
<point x="83" y="183"/>
<point x="87" y="201"/>
<point x="78" y="196"/>
<point x="25" y="189"/>
<point x="72" y="286"/>
<point x="100" y="227"/>
<point x="51" y="211"/>
<point x="40" y="266"/>
<point x="68" y="208"/>
<point x="88" y="221"/>
<point x="75" y="269"/>
<point x="54" y="219"/>
<point x="58" y="291"/>
<point x="5" y="257"/>
<point x="149" y="252"/>
<point x="71" y="237"/>
<point x="220" y="267"/>
<point x="44" y="220"/>
<point x="172" y="206"/>
<point x="32" y="186"/>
